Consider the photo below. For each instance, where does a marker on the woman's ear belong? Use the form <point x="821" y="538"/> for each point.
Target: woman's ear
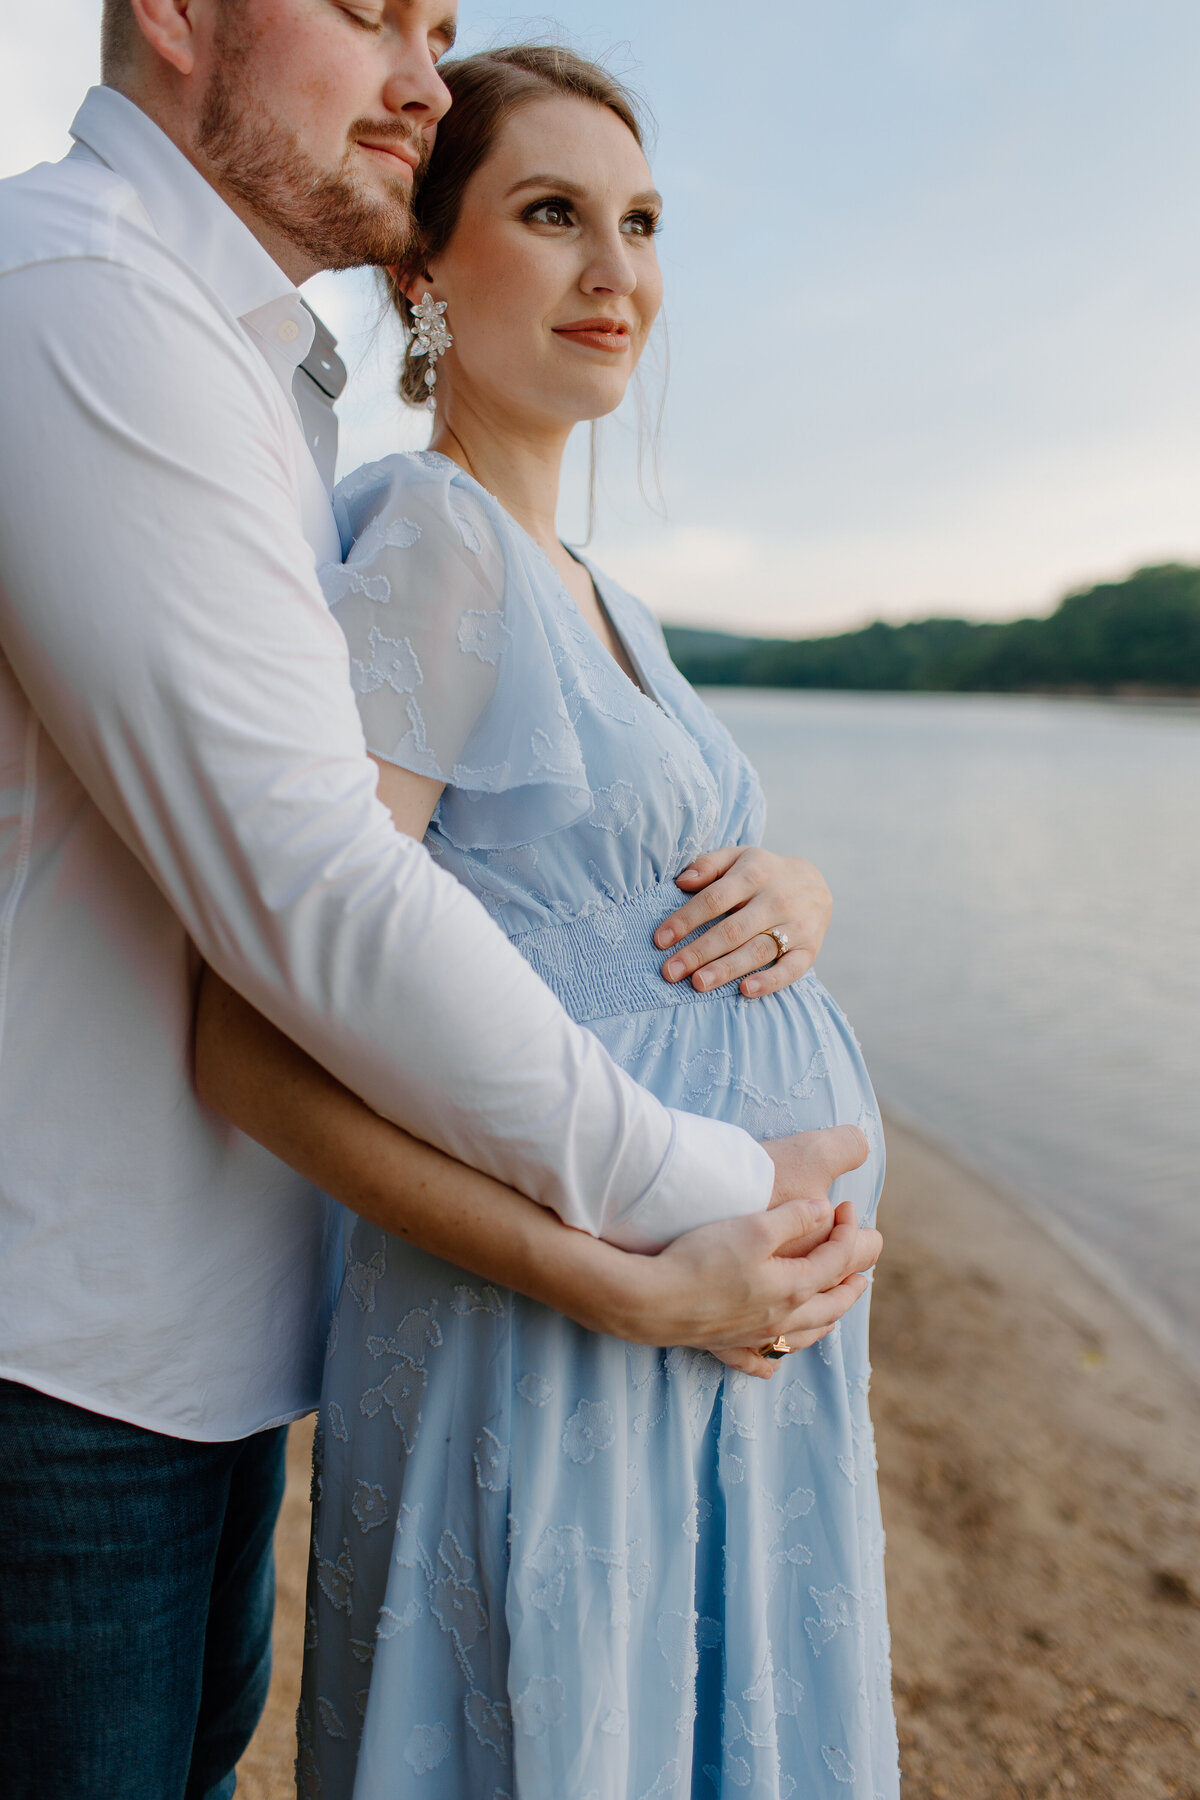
<point x="414" y="287"/>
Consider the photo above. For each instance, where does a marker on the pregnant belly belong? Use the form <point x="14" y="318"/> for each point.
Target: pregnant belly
<point x="786" y="1063"/>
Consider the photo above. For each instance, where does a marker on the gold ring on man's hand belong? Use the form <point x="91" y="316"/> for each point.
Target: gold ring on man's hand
<point x="777" y="1348"/>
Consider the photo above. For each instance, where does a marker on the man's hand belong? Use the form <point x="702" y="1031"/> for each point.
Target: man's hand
<point x="792" y="1271"/>
<point x="807" y="1164"/>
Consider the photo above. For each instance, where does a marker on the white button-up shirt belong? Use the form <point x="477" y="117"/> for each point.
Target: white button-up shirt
<point x="181" y="764"/>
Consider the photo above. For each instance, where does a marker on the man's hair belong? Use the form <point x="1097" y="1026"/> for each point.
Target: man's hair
<point x="118" y="31"/>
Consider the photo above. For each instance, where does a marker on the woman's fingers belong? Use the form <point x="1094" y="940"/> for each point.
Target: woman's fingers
<point x="741" y="942"/>
<point x="814" y="1321"/>
<point x="774" y="977"/>
<point x="706" y="868"/>
<point x="727" y="885"/>
<point x="744" y="894"/>
<point x="791" y="1219"/>
<point x="729" y="1287"/>
<point x="870" y="1249"/>
<point x="747" y="1362"/>
<point x="817" y="1318"/>
<point x="816" y="1228"/>
<point x="758" y="958"/>
<point x="849" y="1251"/>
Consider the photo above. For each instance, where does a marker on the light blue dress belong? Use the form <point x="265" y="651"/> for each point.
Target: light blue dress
<point x="548" y="1565"/>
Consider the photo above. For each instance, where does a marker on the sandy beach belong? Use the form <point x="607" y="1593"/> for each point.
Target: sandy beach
<point x="1040" y="1470"/>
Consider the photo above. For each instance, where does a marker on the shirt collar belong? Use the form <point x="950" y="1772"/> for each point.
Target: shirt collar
<point x="185" y="210"/>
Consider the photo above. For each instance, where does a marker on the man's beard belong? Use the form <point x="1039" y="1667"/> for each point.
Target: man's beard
<point x="325" y="213"/>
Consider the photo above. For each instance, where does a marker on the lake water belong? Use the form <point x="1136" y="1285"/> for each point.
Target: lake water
<point x="1017" y="940"/>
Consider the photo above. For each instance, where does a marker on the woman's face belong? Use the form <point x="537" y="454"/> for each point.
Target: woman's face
<point x="551" y="278"/>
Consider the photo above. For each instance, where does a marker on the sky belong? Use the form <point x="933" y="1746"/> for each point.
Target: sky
<point x="933" y="297"/>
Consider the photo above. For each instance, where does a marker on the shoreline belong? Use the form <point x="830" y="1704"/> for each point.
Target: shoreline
<point x="1186" y="699"/>
<point x="1163" y="1332"/>
<point x="1039" y="1460"/>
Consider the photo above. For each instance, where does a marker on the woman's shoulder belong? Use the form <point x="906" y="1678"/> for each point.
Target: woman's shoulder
<point x="408" y="496"/>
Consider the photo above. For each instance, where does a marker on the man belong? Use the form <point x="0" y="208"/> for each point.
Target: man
<point x="181" y="765"/>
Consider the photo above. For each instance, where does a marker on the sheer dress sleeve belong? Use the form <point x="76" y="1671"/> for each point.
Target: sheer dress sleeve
<point x="454" y="674"/>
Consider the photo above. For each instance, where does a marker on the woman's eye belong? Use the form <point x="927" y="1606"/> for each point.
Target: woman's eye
<point x="640" y="224"/>
<point x="550" y="212"/>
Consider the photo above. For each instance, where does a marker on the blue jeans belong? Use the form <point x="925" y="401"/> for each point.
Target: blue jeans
<point x="136" y="1591"/>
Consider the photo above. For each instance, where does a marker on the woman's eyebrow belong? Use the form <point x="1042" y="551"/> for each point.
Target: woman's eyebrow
<point x="559" y="182"/>
<point x="562" y="185"/>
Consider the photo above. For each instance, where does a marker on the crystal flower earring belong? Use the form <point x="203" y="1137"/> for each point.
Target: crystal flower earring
<point x="431" y="338"/>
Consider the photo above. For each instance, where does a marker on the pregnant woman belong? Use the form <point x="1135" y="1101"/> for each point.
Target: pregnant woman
<point x="549" y="1564"/>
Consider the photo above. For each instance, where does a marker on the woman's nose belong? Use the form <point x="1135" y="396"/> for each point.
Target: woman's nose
<point x="610" y="269"/>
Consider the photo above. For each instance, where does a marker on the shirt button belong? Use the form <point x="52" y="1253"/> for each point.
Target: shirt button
<point x="289" y="331"/>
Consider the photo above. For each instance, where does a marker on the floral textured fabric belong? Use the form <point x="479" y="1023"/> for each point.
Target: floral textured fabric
<point x="549" y="1565"/>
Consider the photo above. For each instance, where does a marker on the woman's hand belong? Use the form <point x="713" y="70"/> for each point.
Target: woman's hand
<point x="742" y="1283"/>
<point x="825" y="1309"/>
<point x="806" y="1166"/>
<point x="792" y="1271"/>
<point x="757" y="890"/>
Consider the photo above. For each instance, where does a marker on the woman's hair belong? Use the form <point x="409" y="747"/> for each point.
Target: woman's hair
<point x="487" y="89"/>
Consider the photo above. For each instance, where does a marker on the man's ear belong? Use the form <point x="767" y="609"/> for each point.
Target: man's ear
<point x="169" y="27"/>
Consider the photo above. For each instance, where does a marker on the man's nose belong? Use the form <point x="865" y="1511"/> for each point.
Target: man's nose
<point x="415" y="88"/>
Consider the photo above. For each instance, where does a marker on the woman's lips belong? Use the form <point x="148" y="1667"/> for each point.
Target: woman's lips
<point x="597" y="334"/>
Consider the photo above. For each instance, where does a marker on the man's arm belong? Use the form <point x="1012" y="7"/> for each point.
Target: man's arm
<point x="724" y="1287"/>
<point x="159" y="607"/>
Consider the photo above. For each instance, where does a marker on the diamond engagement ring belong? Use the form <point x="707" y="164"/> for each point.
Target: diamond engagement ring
<point x="781" y="939"/>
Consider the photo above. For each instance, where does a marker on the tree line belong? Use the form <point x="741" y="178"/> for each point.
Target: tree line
<point x="1141" y="635"/>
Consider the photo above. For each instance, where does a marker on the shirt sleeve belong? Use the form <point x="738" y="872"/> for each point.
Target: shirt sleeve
<point x="159" y="607"/>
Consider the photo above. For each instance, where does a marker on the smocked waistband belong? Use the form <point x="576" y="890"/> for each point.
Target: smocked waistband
<point x="605" y="963"/>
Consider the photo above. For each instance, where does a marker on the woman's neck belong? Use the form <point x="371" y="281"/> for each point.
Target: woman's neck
<point x="520" y="467"/>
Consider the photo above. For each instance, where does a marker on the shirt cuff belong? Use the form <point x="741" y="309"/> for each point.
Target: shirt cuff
<point x="711" y="1171"/>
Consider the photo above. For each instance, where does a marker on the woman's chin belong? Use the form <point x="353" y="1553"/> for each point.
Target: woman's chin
<point x="556" y="407"/>
<point x="584" y="405"/>
<point x="603" y="411"/>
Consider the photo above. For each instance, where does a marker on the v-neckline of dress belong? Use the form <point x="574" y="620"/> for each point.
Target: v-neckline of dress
<point x="641" y="686"/>
<point x="639" y="682"/>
